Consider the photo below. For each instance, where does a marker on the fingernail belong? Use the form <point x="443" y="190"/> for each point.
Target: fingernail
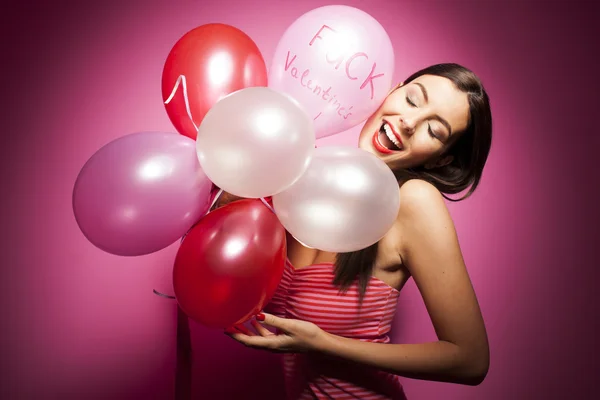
<point x="229" y="331"/>
<point x="260" y="316"/>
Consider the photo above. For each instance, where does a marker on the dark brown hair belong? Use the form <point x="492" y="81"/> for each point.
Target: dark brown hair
<point x="470" y="152"/>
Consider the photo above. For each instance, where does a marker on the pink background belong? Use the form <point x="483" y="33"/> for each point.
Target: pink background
<point x="82" y="324"/>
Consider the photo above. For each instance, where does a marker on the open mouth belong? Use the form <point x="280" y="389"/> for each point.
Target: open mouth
<point x="386" y="140"/>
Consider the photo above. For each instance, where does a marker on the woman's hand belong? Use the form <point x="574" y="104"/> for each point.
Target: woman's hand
<point x="296" y="336"/>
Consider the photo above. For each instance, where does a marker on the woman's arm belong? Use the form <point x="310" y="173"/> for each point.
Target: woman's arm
<point x="436" y="361"/>
<point x="431" y="252"/>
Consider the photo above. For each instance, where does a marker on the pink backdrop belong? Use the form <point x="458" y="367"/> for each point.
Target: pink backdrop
<point x="82" y="324"/>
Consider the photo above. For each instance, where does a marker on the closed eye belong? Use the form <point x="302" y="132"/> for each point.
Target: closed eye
<point x="429" y="130"/>
<point x="433" y="135"/>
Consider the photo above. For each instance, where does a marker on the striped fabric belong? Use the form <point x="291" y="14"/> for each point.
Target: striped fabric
<point x="308" y="294"/>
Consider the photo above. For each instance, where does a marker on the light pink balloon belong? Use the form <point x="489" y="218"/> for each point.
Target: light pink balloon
<point x="255" y="142"/>
<point x="337" y="62"/>
<point x="140" y="193"/>
<point x="346" y="200"/>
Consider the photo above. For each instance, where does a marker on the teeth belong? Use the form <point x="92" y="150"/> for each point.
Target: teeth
<point x="390" y="134"/>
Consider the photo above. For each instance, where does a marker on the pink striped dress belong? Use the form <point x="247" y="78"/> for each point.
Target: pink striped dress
<point x="309" y="294"/>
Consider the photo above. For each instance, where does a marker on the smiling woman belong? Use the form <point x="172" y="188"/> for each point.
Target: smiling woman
<point x="410" y="119"/>
<point x="416" y="99"/>
<point x="332" y="311"/>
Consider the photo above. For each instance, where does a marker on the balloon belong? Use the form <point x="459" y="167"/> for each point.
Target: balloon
<point x="347" y="200"/>
<point x="140" y="193"/>
<point x="206" y="64"/>
<point x="230" y="264"/>
<point x="337" y="62"/>
<point x="255" y="142"/>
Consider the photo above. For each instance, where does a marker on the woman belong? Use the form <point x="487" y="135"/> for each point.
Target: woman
<point x="332" y="318"/>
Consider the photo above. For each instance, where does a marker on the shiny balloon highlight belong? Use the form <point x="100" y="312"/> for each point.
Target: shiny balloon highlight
<point x="347" y="200"/>
<point x="229" y="264"/>
<point x="255" y="142"/>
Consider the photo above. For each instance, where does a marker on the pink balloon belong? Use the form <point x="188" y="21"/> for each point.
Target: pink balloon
<point x="337" y="62"/>
<point x="140" y="193"/>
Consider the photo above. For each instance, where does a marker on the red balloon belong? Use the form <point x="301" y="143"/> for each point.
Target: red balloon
<point x="216" y="60"/>
<point x="230" y="264"/>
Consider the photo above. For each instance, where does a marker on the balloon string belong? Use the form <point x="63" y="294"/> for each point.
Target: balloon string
<point x="156" y="292"/>
<point x="219" y="193"/>
<point x="181" y="80"/>
<point x="268" y="205"/>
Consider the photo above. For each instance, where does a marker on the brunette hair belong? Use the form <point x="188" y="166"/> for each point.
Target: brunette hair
<point x="470" y="153"/>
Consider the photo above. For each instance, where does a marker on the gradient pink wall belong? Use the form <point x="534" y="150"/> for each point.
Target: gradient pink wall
<point x="82" y="324"/>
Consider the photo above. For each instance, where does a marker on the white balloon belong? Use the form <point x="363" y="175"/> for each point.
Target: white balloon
<point x="347" y="200"/>
<point x="255" y="142"/>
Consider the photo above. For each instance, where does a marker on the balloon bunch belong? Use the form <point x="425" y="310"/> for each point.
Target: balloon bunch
<point x="252" y="134"/>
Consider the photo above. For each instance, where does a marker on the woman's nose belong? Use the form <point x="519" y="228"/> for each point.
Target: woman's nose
<point x="407" y="124"/>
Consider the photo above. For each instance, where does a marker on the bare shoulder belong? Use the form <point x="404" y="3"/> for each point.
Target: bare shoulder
<point x="419" y="188"/>
<point x="423" y="216"/>
<point x="421" y="200"/>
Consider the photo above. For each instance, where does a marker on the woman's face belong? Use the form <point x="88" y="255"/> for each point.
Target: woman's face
<point x="416" y="123"/>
